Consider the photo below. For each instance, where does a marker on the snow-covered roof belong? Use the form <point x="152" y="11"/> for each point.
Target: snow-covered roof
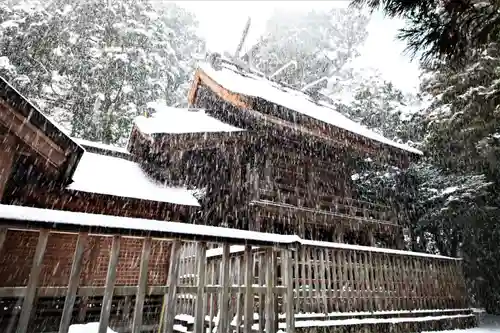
<point x="100" y="145"/>
<point x="119" y="177"/>
<point x="179" y="121"/>
<point x="256" y="86"/>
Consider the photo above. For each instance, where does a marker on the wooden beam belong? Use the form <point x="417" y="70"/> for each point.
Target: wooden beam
<point x="7" y="154"/>
<point x="29" y="296"/>
<point x="167" y="324"/>
<point x="248" y="306"/>
<point x="235" y="99"/>
<point x="224" y="295"/>
<point x="286" y="261"/>
<point x="194" y="89"/>
<point x="29" y="134"/>
<point x="110" y="285"/>
<point x="270" y="254"/>
<point x="89" y="291"/>
<point x="3" y="236"/>
<point x="74" y="279"/>
<point x="141" y="290"/>
<point x="199" y="316"/>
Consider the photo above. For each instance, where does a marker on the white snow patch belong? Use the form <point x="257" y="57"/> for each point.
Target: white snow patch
<point x="232" y="249"/>
<point x="5" y="63"/>
<point x="342" y="322"/>
<point x="119" y="177"/>
<point x="253" y="85"/>
<point x="176" y="121"/>
<point x="450" y="190"/>
<point x="87" y="328"/>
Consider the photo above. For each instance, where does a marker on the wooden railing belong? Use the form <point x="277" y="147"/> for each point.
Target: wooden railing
<point x="267" y="283"/>
<point x="330" y="278"/>
<point x="342" y="207"/>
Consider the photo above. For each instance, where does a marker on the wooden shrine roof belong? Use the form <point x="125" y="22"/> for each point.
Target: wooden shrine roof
<point x="246" y="91"/>
<point x="170" y="120"/>
<point x="24" y="121"/>
<point x="115" y="176"/>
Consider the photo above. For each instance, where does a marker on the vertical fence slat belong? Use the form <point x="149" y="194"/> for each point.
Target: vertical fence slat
<point x="3" y="236"/>
<point x="288" y="297"/>
<point x="212" y="298"/>
<point x="110" y="286"/>
<point x="262" y="296"/>
<point x="143" y="282"/>
<point x="167" y="324"/>
<point x="199" y="314"/>
<point x="269" y="290"/>
<point x="29" y="296"/>
<point x="248" y="306"/>
<point x="224" y="297"/>
<point x="74" y="279"/>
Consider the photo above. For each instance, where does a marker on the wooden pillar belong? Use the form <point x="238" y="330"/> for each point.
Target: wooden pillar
<point x="288" y="296"/>
<point x="7" y="154"/>
<point x="269" y="291"/>
<point x="30" y="294"/>
<point x="400" y="240"/>
<point x="74" y="279"/>
<point x="199" y="316"/>
<point x="110" y="286"/>
<point x="141" y="290"/>
<point x="167" y="324"/>
<point x="224" y="297"/>
<point x="248" y="306"/>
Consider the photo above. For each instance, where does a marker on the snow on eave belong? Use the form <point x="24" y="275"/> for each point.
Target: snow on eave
<point x="134" y="226"/>
<point x="256" y="86"/>
<point x="100" y="145"/>
<point x="108" y="175"/>
<point x="169" y="120"/>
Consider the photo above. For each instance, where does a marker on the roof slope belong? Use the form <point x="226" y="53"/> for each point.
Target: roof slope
<point x="252" y="85"/>
<point x="169" y="120"/>
<point x="38" y="120"/>
<point x="119" y="177"/>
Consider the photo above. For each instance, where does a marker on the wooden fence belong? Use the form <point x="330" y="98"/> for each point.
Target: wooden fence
<point x="250" y="282"/>
<point x="44" y="307"/>
<point x="345" y="278"/>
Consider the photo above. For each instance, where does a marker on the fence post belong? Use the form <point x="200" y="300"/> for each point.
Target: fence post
<point x="29" y="296"/>
<point x="248" y="306"/>
<point x="143" y="282"/>
<point x="173" y="277"/>
<point x="110" y="286"/>
<point x="224" y="298"/>
<point x="74" y="279"/>
<point x="199" y="320"/>
<point x="288" y="296"/>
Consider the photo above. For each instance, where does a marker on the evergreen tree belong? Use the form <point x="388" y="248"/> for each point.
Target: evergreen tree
<point x="448" y="30"/>
<point x="94" y="65"/>
<point x="320" y="42"/>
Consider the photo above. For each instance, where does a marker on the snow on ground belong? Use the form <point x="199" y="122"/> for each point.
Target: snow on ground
<point x="487" y="324"/>
<point x="87" y="328"/>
